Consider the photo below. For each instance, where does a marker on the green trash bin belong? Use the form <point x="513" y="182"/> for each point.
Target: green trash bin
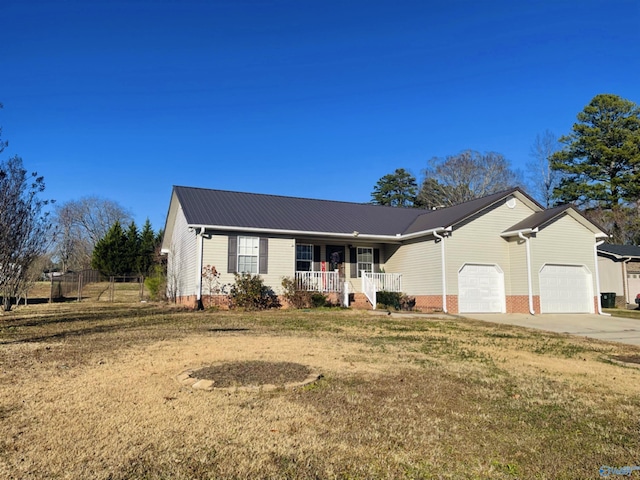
<point x="608" y="299"/>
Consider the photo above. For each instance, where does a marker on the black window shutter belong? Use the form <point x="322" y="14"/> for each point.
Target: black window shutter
<point x="353" y="259"/>
<point x="263" y="260"/>
<point x="232" y="262"/>
<point x="316" y="258"/>
<point x="376" y="260"/>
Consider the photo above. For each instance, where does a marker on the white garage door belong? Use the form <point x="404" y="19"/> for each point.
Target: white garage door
<point x="566" y="289"/>
<point x="481" y="289"/>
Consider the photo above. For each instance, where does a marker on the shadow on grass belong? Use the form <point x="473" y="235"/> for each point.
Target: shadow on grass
<point x="111" y="319"/>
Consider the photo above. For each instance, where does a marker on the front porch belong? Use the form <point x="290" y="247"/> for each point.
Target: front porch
<point x="334" y="282"/>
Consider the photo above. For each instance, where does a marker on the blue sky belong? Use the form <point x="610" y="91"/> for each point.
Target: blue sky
<point x="123" y="99"/>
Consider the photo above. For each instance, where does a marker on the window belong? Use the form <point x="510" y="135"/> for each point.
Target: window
<point x="304" y="258"/>
<point x="248" y="254"/>
<point x="365" y="260"/>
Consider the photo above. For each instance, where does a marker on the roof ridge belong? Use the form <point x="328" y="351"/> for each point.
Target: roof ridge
<point x="289" y="197"/>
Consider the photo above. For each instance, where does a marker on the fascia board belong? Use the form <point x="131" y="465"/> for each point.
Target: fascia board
<point x="514" y="233"/>
<point x="398" y="238"/>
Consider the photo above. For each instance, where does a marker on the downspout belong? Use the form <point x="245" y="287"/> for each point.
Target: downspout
<point x="625" y="280"/>
<point x="595" y="258"/>
<point x="444" y="274"/>
<point x="528" y="250"/>
<point x="199" y="246"/>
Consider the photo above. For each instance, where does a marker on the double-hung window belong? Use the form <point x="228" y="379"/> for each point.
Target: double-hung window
<point x="365" y="260"/>
<point x="248" y="254"/>
<point x="304" y="258"/>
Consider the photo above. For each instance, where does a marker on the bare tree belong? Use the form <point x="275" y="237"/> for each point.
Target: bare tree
<point x="80" y="224"/>
<point x="459" y="178"/>
<point x="543" y="179"/>
<point x="24" y="226"/>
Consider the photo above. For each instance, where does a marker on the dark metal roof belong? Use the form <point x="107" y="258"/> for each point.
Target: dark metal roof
<point x="250" y="210"/>
<point x="538" y="218"/>
<point x="631" y="251"/>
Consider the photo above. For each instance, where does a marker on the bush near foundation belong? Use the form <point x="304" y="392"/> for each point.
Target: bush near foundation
<point x="250" y="292"/>
<point x="301" y="298"/>
<point x="395" y="300"/>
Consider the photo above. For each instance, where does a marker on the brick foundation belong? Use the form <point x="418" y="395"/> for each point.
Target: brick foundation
<point x="520" y="304"/>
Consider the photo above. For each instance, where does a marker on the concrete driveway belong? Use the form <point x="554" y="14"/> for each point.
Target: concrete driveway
<point x="602" y="327"/>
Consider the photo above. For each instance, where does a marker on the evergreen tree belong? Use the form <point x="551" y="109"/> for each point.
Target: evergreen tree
<point x="397" y="189"/>
<point x="600" y="163"/>
<point x="132" y="249"/>
<point x="147" y="249"/>
<point x="110" y="254"/>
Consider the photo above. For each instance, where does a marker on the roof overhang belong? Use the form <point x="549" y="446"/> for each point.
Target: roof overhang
<point x="516" y="233"/>
<point x="392" y="239"/>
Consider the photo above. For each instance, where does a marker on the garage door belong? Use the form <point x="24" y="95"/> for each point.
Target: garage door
<point x="481" y="289"/>
<point x="566" y="289"/>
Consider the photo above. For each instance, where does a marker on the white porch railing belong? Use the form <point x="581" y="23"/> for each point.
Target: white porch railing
<point x="318" y="281"/>
<point x="389" y="282"/>
<point x="376" y="282"/>
<point x="369" y="288"/>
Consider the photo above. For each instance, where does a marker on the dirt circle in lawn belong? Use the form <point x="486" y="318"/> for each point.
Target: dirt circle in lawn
<point x="249" y="375"/>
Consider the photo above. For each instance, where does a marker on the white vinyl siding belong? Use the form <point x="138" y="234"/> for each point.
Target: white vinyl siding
<point x="518" y="266"/>
<point x="419" y="261"/>
<point x="562" y="242"/>
<point x="181" y="260"/>
<point x="478" y="241"/>
<point x="611" y="278"/>
<point x="281" y="259"/>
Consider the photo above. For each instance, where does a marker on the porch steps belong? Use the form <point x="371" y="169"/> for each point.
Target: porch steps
<point x="360" y="302"/>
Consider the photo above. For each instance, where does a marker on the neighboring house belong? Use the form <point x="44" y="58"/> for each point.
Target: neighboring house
<point x="499" y="253"/>
<point x="619" y="267"/>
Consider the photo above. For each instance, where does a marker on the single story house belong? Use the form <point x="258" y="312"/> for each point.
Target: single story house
<point x="500" y="253"/>
<point x="619" y="267"/>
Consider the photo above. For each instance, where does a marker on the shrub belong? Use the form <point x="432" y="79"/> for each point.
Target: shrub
<point x="156" y="283"/>
<point x="296" y="298"/>
<point x="301" y="298"/>
<point x="250" y="292"/>
<point x="395" y="300"/>
<point x="318" y="300"/>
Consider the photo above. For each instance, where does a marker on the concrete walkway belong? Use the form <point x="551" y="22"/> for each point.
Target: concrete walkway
<point x="602" y="327"/>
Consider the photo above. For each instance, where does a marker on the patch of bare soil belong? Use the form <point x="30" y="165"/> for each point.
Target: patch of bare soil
<point x="253" y="373"/>
<point x="627" y="358"/>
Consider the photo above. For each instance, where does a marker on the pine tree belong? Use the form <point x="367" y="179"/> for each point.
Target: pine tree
<point x="147" y="249"/>
<point x="110" y="253"/>
<point x="600" y="164"/>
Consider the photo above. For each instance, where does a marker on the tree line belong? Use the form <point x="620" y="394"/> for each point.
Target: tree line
<point x="595" y="167"/>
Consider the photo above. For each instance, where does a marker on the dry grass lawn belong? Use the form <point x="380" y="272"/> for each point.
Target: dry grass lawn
<point x="89" y="390"/>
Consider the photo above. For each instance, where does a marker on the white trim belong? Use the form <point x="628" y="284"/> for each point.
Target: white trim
<point x="444" y="271"/>
<point x="358" y="263"/>
<point x="257" y="255"/>
<point x="296" y="255"/>
<point x="397" y="238"/>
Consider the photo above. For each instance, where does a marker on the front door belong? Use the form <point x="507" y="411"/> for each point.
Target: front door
<point x="335" y="258"/>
